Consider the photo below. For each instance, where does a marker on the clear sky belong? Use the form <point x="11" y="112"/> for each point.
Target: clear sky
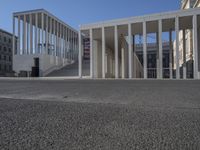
<point x="76" y="12"/>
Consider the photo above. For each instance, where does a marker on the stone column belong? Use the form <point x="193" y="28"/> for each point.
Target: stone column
<point x="19" y="36"/>
<point x="145" y="50"/>
<point x="47" y="37"/>
<point x="36" y="33"/>
<point x="116" y="53"/>
<point x="80" y="55"/>
<point x="13" y="38"/>
<point x="170" y="55"/>
<point x="50" y="36"/>
<point x="42" y="50"/>
<point x="24" y="35"/>
<point x="91" y="54"/>
<point x="195" y="47"/>
<point x="177" y="47"/>
<point x="184" y="56"/>
<point x="103" y="53"/>
<point x="130" y="52"/>
<point x="123" y="62"/>
<point x="31" y="34"/>
<point x="160" y="50"/>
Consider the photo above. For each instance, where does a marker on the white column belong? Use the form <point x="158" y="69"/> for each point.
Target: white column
<point x="67" y="43"/>
<point x="184" y="56"/>
<point x="122" y="63"/>
<point x="50" y="36"/>
<point x="157" y="55"/>
<point x="31" y="34"/>
<point x="13" y="38"/>
<point x="195" y="47"/>
<point x="72" y="45"/>
<point x="19" y="36"/>
<point x="130" y="51"/>
<point x="177" y="47"/>
<point x="36" y="33"/>
<point x="103" y="53"/>
<point x="28" y="37"/>
<point x="170" y="54"/>
<point x="145" y="50"/>
<point x="57" y="34"/>
<point x="160" y="50"/>
<point x="24" y="35"/>
<point x="64" y="42"/>
<point x="42" y="50"/>
<point x="39" y="38"/>
<point x="47" y="37"/>
<point x="60" y="37"/>
<point x="80" y="55"/>
<point x="116" y="53"/>
<point x="91" y="54"/>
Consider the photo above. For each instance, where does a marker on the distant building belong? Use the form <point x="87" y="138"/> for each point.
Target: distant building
<point x="45" y="43"/>
<point x="6" y="58"/>
<point x="86" y="48"/>
<point x="186" y="44"/>
<point x="113" y="45"/>
<point x="152" y="57"/>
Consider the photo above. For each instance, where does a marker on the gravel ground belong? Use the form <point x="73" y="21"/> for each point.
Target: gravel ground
<point x="100" y="115"/>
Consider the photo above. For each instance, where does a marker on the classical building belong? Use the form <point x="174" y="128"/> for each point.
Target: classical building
<point x="6" y="57"/>
<point x="186" y="44"/>
<point x="45" y="43"/>
<point x="113" y="45"/>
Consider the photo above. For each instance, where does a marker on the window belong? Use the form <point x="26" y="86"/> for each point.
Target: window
<point x="4" y="39"/>
<point x="0" y="37"/>
<point x="10" y="58"/>
<point x="5" y="67"/>
<point x="0" y="67"/>
<point x="0" y="48"/>
<point x="5" y="49"/>
<point x="10" y="67"/>
<point x="0" y="57"/>
<point x="9" y="49"/>
<point x="4" y="57"/>
<point x="9" y="40"/>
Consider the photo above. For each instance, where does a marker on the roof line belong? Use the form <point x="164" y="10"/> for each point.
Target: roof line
<point x="44" y="11"/>
<point x="137" y="17"/>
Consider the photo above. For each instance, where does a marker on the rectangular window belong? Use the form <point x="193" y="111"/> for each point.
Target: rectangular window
<point x="5" y="49"/>
<point x="4" y="57"/>
<point x="10" y="67"/>
<point x="4" y="39"/>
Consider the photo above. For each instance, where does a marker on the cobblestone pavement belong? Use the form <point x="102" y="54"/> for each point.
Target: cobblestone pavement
<point x="100" y="114"/>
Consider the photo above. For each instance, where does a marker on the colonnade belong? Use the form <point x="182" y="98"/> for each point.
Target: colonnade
<point x="39" y="32"/>
<point x="175" y="27"/>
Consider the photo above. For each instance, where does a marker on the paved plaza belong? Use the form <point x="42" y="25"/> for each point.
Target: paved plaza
<point x="99" y="114"/>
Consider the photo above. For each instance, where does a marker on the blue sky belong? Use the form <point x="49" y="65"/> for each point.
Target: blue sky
<point x="76" y="12"/>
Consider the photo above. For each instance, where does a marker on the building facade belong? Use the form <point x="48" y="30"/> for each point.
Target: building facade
<point x="186" y="44"/>
<point x="6" y="57"/>
<point x="112" y="45"/>
<point x="45" y="43"/>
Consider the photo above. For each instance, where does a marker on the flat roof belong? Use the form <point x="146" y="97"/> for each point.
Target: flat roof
<point x="137" y="19"/>
<point x="15" y="14"/>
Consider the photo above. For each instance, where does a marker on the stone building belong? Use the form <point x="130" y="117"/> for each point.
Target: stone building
<point x="6" y="59"/>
